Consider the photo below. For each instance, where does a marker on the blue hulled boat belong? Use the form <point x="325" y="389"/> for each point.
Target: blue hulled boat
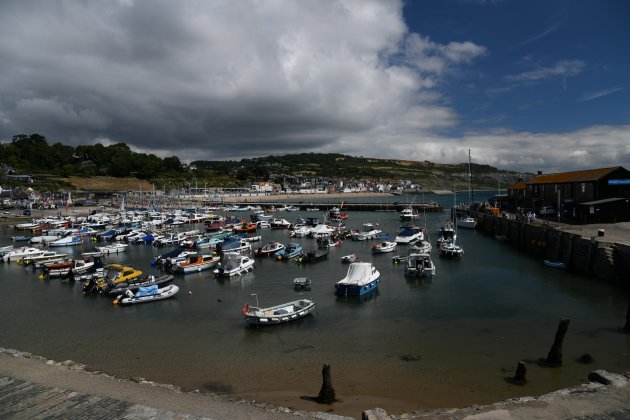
<point x="360" y="279"/>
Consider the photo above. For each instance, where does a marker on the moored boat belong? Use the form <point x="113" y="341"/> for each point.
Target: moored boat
<point x="235" y="264"/>
<point x="361" y="278"/>
<point x="302" y="283"/>
<point x="269" y="249"/>
<point x="409" y="234"/>
<point x="555" y="263"/>
<point x="278" y="314"/>
<point x="291" y="250"/>
<point x="114" y="248"/>
<point x="419" y="265"/>
<point x="136" y="283"/>
<point x="467" y="222"/>
<point x="450" y="249"/>
<point x="195" y="263"/>
<point x="350" y="258"/>
<point x="146" y="294"/>
<point x="383" y="247"/>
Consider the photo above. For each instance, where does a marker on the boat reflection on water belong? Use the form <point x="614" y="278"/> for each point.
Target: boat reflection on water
<point x="353" y="299"/>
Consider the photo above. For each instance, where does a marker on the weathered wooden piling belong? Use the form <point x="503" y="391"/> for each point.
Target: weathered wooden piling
<point x="327" y="392"/>
<point x="626" y="327"/>
<point x="520" y="374"/>
<point x="554" y="357"/>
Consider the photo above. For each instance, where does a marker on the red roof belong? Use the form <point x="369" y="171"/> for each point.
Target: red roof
<point x="577" y="176"/>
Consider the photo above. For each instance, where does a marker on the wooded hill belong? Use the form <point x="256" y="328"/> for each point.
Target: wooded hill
<point x="55" y="166"/>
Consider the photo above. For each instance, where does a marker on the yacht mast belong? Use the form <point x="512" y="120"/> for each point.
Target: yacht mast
<point x="469" y="182"/>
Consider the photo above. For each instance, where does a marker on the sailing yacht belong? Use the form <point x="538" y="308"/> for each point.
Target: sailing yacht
<point x="468" y="222"/>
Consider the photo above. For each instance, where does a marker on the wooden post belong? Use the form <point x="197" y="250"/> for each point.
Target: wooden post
<point x="554" y="357"/>
<point x="626" y="328"/>
<point x="327" y="392"/>
<point x="521" y="372"/>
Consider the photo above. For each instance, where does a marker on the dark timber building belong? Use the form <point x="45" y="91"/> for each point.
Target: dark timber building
<point x="590" y="196"/>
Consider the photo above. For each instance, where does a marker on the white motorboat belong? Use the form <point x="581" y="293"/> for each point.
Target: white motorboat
<point x="350" y="258"/>
<point x="114" y="248"/>
<point x="409" y="234"/>
<point x="279" y="223"/>
<point x="20" y="253"/>
<point x="467" y="222"/>
<point x="367" y="231"/>
<point x="69" y="240"/>
<point x="408" y="213"/>
<point x="419" y="265"/>
<point x="383" y="247"/>
<point x="235" y="264"/>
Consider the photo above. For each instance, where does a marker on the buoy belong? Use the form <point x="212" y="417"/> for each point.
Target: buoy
<point x="190" y="292"/>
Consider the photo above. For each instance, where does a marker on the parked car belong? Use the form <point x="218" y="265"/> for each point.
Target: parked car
<point x="547" y="210"/>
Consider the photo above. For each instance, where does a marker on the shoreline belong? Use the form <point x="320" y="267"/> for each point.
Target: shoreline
<point x="605" y="394"/>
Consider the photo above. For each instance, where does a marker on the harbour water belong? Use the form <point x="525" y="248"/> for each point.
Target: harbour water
<point x="413" y="344"/>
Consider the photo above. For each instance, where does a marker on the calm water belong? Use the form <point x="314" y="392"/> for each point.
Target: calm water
<point x="468" y="327"/>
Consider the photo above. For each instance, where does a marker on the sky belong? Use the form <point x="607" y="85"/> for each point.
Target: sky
<point x="524" y="85"/>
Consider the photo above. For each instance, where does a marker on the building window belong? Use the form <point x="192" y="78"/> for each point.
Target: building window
<point x="583" y="187"/>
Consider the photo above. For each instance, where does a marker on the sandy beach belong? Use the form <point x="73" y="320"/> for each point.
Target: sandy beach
<point x="332" y="197"/>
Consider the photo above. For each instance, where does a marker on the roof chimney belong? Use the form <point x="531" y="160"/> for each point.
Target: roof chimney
<point x="539" y="173"/>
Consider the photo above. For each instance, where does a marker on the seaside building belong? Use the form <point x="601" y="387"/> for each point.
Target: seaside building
<point x="588" y="196"/>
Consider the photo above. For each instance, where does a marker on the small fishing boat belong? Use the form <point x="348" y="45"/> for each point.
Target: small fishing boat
<point x="269" y="249"/>
<point x="43" y="257"/>
<point x="235" y="264"/>
<point x="313" y="256"/>
<point x="291" y="250"/>
<point x="234" y="245"/>
<point x="113" y="274"/>
<point x="350" y="258"/>
<point x="367" y="231"/>
<point x="114" y="248"/>
<point x="20" y="253"/>
<point x="467" y="222"/>
<point x="195" y="263"/>
<point x="383" y="247"/>
<point x="69" y="240"/>
<point x="278" y="314"/>
<point x="68" y="268"/>
<point x="360" y="279"/>
<point x="279" y="223"/>
<point x="555" y="263"/>
<point x="146" y="294"/>
<point x="302" y="283"/>
<point x="245" y="227"/>
<point x="136" y="283"/>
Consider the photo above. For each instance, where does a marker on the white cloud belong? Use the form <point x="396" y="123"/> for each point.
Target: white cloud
<point x="560" y="69"/>
<point x="599" y="94"/>
<point x="224" y="79"/>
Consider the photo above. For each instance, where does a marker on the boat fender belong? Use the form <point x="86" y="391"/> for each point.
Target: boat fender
<point x="245" y="309"/>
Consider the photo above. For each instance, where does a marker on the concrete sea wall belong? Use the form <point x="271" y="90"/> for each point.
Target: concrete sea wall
<point x="593" y="257"/>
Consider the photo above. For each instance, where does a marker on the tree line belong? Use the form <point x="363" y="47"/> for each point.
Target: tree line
<point x="31" y="154"/>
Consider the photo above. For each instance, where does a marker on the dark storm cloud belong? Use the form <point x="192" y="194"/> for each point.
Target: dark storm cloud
<point x="233" y="79"/>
